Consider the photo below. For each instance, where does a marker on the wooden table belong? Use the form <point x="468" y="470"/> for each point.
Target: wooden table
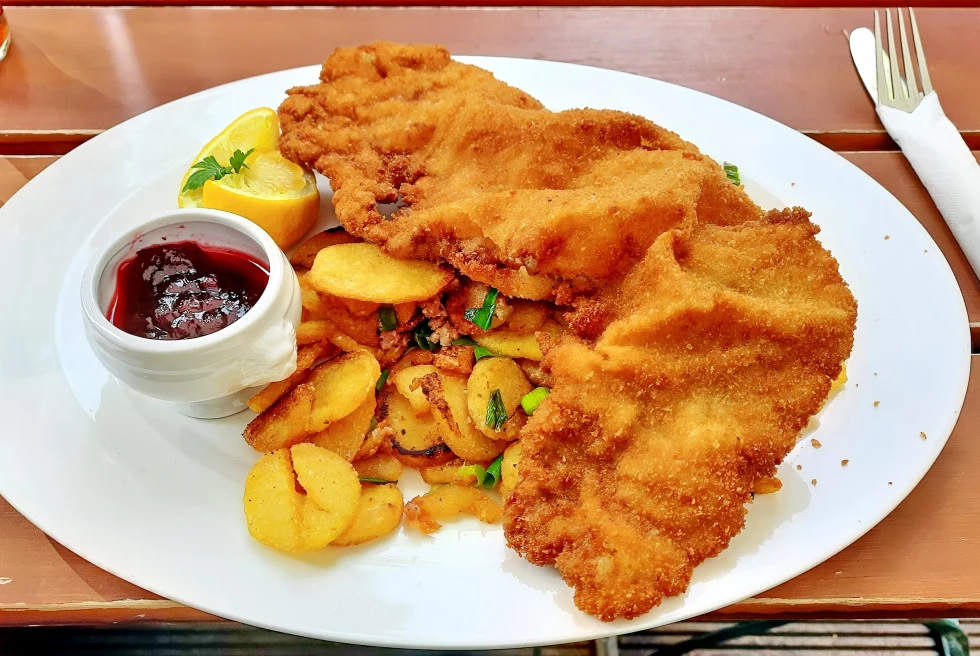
<point x="75" y="71"/>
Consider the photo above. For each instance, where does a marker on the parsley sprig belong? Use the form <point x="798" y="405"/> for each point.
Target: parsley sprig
<point x="209" y="169"/>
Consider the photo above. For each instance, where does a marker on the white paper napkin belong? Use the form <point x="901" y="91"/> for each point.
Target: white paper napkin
<point x="945" y="165"/>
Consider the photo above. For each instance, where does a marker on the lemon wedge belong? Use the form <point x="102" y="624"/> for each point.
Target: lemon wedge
<point x="273" y="192"/>
<point x="256" y="128"/>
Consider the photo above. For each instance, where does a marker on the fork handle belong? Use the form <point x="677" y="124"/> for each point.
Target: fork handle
<point x="944" y="164"/>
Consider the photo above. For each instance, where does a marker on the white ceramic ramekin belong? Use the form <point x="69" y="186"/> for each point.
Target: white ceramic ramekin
<point x="210" y="376"/>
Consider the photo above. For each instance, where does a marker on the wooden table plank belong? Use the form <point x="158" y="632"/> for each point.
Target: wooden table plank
<point x="919" y="561"/>
<point x="72" y="70"/>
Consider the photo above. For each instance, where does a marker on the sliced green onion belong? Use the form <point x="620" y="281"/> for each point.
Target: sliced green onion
<point x="483" y="316"/>
<point x="475" y="470"/>
<point x="533" y="399"/>
<point x="374" y="424"/>
<point x="422" y="333"/>
<point x="386" y="318"/>
<point x="382" y="379"/>
<point x="478" y="351"/>
<point x="378" y="481"/>
<point x="493" y="473"/>
<point x="496" y="413"/>
<point x="732" y="172"/>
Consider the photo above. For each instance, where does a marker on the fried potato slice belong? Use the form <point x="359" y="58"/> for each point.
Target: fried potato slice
<point x="446" y="501"/>
<point x="404" y="380"/>
<point x="447" y="395"/>
<point x="503" y="375"/>
<point x="526" y="317"/>
<point x="316" y="330"/>
<point x="306" y="356"/>
<point x="280" y="516"/>
<point x="451" y="472"/>
<point x="365" y="273"/>
<point x="342" y="384"/>
<point x="374" y="442"/>
<point x="513" y="345"/>
<point x="285" y="423"/>
<point x="346" y="435"/>
<point x="508" y="469"/>
<point x="273" y="507"/>
<point x="332" y="484"/>
<point x="471" y="294"/>
<point x="383" y="466"/>
<point x="306" y="252"/>
<point x="415" y="440"/>
<point x="379" y="512"/>
<point x="412" y="358"/>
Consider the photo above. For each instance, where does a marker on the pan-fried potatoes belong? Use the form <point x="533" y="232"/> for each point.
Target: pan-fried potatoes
<point x="285" y="423"/>
<point x="508" y="469"/>
<point x="504" y="376"/>
<point x="382" y="466"/>
<point x="365" y="273"/>
<point x="345" y="436"/>
<point x="447" y="395"/>
<point x="280" y="516"/>
<point x="514" y="345"/>
<point x="415" y="440"/>
<point x="306" y="252"/>
<point x="445" y="501"/>
<point x="306" y="356"/>
<point x="342" y="384"/>
<point x="379" y="512"/>
<point x="451" y="472"/>
<point x="404" y="380"/>
<point x="526" y="317"/>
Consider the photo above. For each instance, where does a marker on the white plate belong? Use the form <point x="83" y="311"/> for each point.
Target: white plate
<point x="156" y="498"/>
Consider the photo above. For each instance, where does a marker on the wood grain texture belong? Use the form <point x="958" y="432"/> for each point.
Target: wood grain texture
<point x="920" y="561"/>
<point x="797" y="69"/>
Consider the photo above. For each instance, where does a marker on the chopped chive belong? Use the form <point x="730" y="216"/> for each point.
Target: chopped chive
<point x="533" y="399"/>
<point x="378" y="481"/>
<point x="732" y="172"/>
<point x="374" y="424"/>
<point x="496" y="413"/>
<point x="493" y="473"/>
<point x="476" y="470"/>
<point x="386" y="318"/>
<point x="483" y="316"/>
<point x="422" y="333"/>
<point x="478" y="351"/>
<point x="382" y="379"/>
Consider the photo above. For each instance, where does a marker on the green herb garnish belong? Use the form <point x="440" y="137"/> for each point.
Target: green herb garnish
<point x="422" y="333"/>
<point x="533" y="399"/>
<point x="496" y="413"/>
<point x="483" y="316"/>
<point x="209" y="169"/>
<point x="489" y="477"/>
<point x="378" y="481"/>
<point x="374" y="424"/>
<point x="478" y="351"/>
<point x="732" y="172"/>
<point x="382" y="379"/>
<point x="387" y="319"/>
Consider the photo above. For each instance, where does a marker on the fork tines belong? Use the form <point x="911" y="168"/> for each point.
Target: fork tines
<point x="895" y="90"/>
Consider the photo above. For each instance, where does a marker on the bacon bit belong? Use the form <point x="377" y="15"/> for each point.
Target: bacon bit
<point x="923" y="436"/>
<point x="877" y="403"/>
<point x="843" y="463"/>
<point x="433" y="308"/>
<point x="816" y="443"/>
<point x="813" y="482"/>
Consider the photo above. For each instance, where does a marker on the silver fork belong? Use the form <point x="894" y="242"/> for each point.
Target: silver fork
<point x="894" y="90"/>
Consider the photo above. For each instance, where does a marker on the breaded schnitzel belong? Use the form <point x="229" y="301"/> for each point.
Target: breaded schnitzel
<point x="536" y="203"/>
<point x="704" y="332"/>
<point x="639" y="465"/>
